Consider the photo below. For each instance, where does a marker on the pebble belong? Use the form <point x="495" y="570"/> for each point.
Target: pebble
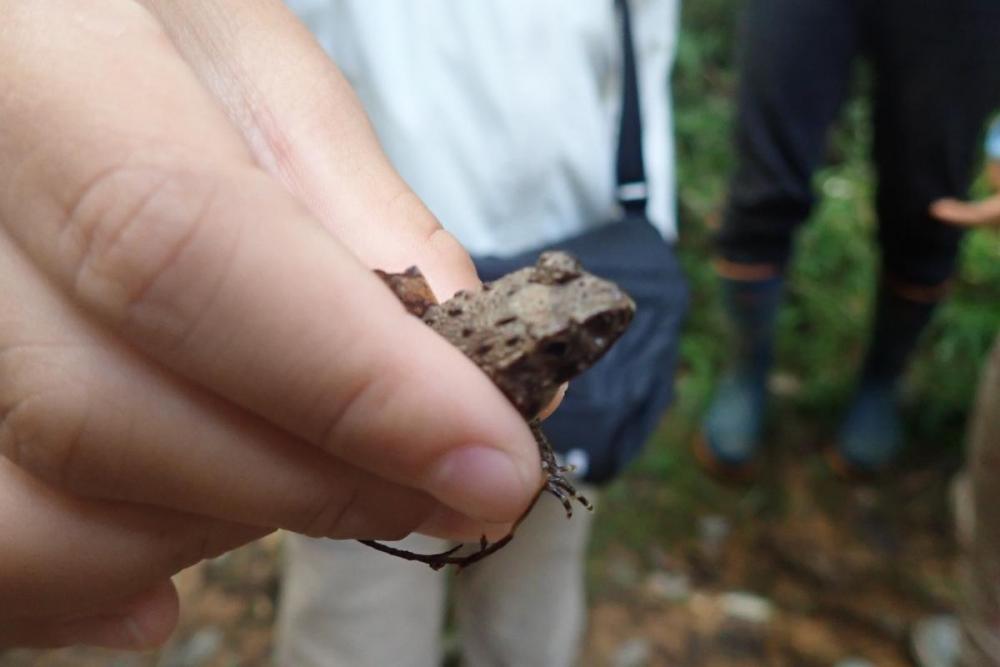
<point x="937" y="641"/>
<point x="669" y="586"/>
<point x="747" y="607"/>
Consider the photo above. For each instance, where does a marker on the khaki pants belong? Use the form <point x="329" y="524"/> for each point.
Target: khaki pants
<point x="979" y="524"/>
<point x="344" y="604"/>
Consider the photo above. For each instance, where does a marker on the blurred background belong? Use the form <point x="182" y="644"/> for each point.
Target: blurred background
<point x="797" y="569"/>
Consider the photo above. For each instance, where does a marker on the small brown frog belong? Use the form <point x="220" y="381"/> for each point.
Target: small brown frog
<point x="530" y="331"/>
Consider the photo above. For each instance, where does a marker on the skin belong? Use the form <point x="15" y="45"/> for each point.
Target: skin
<point x="981" y="213"/>
<point x="193" y="348"/>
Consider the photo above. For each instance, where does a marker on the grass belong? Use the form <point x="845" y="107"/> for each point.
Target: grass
<point x="822" y="327"/>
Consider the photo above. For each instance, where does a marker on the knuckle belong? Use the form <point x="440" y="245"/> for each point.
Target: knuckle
<point x="136" y="237"/>
<point x="202" y="541"/>
<point x="41" y="423"/>
<point x="444" y="242"/>
<point x="336" y="416"/>
<point x="327" y="516"/>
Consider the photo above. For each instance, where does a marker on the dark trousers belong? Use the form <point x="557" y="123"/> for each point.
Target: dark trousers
<point x="936" y="66"/>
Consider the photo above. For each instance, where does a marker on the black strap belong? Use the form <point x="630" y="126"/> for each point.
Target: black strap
<point x="631" y="174"/>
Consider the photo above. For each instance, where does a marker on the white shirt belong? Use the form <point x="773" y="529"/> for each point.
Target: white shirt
<point x="502" y="115"/>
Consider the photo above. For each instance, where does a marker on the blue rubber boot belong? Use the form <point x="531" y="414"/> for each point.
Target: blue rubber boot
<point x="731" y="430"/>
<point x="871" y="434"/>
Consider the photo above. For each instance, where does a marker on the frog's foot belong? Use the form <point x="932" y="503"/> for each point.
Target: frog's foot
<point x="564" y="491"/>
<point x="556" y="481"/>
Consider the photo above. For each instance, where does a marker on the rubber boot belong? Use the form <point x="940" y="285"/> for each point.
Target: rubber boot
<point x="731" y="431"/>
<point x="871" y="434"/>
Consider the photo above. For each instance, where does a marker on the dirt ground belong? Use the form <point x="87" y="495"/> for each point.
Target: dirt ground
<point x="809" y="590"/>
<point x="824" y="572"/>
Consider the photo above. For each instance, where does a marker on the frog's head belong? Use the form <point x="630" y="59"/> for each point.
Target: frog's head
<point x="587" y="314"/>
<point x="571" y="319"/>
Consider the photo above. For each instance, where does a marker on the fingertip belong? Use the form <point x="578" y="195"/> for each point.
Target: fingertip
<point x="946" y="210"/>
<point x="142" y="622"/>
<point x="152" y="617"/>
<point x="484" y="483"/>
<point x="939" y="205"/>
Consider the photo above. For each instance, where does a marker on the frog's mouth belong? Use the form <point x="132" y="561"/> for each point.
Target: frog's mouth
<point x="562" y="356"/>
<point x="603" y="329"/>
<point x="568" y="354"/>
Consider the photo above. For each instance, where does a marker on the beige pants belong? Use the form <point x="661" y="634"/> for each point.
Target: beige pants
<point x="344" y="604"/>
<point x="979" y="523"/>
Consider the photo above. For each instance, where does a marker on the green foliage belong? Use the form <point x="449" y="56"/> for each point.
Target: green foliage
<point x="945" y="374"/>
<point x="823" y="324"/>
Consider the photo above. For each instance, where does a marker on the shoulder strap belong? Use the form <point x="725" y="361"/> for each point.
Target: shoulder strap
<point x="630" y="172"/>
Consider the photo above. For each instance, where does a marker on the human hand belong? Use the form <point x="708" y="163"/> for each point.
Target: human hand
<point x="968" y="214"/>
<point x="191" y="358"/>
<point x="972" y="214"/>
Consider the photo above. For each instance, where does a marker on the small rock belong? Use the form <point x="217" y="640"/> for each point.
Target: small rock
<point x="669" y="586"/>
<point x="634" y="652"/>
<point x="747" y="607"/>
<point x="937" y="641"/>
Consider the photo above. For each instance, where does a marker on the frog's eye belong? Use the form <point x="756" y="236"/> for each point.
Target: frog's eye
<point x="600" y="326"/>
<point x="605" y="327"/>
<point x="555" y="348"/>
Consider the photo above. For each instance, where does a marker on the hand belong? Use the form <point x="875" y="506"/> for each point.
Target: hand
<point x="972" y="214"/>
<point x="189" y="356"/>
<point x="968" y="214"/>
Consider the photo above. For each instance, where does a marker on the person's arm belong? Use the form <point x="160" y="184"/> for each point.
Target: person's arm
<point x="190" y="357"/>
<point x="983" y="212"/>
<point x="993" y="172"/>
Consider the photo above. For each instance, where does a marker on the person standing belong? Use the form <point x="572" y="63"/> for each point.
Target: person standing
<point x="509" y="119"/>
<point x="972" y="638"/>
<point x="936" y="80"/>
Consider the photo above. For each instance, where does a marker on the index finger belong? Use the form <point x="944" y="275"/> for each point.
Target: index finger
<point x="306" y="127"/>
<point x="142" y="202"/>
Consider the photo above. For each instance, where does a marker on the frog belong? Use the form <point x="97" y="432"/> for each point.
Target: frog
<point x="530" y="331"/>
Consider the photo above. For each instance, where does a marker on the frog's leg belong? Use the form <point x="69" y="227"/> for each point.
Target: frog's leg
<point x="556" y="482"/>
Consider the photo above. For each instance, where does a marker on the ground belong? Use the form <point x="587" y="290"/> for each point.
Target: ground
<point x="798" y="570"/>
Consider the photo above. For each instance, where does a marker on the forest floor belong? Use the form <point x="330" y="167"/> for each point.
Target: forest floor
<point x="798" y="570"/>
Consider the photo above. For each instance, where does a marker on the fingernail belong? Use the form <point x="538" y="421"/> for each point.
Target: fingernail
<point x="480" y="482"/>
